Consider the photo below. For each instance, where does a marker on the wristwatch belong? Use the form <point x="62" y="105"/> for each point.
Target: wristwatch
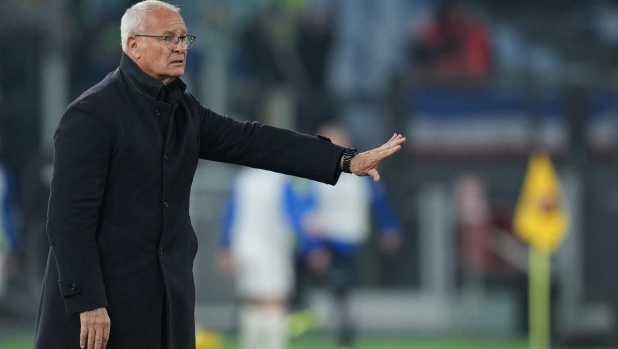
<point x="348" y="154"/>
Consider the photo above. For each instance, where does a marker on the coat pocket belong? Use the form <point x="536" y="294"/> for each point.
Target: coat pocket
<point x="106" y="242"/>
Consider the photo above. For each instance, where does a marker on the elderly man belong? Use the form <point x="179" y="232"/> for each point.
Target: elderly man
<point x="119" y="272"/>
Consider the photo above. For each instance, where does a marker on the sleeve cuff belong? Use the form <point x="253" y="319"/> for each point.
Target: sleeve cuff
<point x="82" y="296"/>
<point x="338" y="169"/>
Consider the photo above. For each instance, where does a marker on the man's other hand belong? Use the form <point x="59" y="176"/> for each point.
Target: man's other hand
<point x="390" y="241"/>
<point x="320" y="260"/>
<point x="95" y="325"/>
<point x="366" y="163"/>
<point x="226" y="261"/>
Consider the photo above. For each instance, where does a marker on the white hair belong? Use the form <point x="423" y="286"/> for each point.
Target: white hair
<point x="133" y="19"/>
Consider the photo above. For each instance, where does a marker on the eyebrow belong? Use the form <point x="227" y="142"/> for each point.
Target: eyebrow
<point x="171" y="32"/>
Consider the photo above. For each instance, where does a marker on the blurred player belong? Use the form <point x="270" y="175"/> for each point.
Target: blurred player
<point x="332" y="222"/>
<point x="256" y="245"/>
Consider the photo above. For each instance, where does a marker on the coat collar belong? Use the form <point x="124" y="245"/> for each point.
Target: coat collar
<point x="143" y="83"/>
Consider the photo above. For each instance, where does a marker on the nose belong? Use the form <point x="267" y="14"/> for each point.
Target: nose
<point x="180" y="47"/>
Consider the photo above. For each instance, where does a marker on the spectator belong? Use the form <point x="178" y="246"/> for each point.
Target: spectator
<point x="455" y="48"/>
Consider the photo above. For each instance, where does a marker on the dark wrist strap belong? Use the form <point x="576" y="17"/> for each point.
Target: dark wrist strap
<point x="348" y="154"/>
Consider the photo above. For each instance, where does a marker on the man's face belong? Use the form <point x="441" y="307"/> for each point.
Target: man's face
<point x="152" y="55"/>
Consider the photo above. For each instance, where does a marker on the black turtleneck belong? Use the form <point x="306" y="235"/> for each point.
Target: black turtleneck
<point x="144" y="84"/>
<point x="148" y="86"/>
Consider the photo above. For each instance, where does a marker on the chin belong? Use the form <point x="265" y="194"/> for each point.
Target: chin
<point x="178" y="72"/>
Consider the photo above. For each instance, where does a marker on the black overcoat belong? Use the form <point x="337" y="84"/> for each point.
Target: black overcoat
<point x="118" y="217"/>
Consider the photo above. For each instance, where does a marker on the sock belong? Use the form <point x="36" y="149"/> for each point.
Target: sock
<point x="249" y="327"/>
<point x="345" y="325"/>
<point x="263" y="327"/>
<point x="275" y="328"/>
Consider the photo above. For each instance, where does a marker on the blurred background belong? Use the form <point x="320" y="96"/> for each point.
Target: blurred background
<point x="475" y="86"/>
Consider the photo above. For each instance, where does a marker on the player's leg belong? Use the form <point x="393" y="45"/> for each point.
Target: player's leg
<point x="302" y="318"/>
<point x="250" y="319"/>
<point x="265" y="284"/>
<point x="274" y="324"/>
<point x="341" y="282"/>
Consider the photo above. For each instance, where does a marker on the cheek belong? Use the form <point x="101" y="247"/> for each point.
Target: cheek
<point x="162" y="63"/>
<point x="155" y="62"/>
<point x="163" y="67"/>
<point x="159" y="60"/>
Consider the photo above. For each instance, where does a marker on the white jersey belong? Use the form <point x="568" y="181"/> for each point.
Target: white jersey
<point x="261" y="239"/>
<point x="259" y="216"/>
<point x="344" y="209"/>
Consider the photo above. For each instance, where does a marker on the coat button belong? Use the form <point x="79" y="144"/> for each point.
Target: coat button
<point x="165" y="157"/>
<point x="161" y="252"/>
<point x="157" y="112"/>
<point x="73" y="286"/>
<point x="165" y="205"/>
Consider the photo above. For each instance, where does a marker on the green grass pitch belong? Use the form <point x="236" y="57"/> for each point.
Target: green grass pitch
<point x="362" y="343"/>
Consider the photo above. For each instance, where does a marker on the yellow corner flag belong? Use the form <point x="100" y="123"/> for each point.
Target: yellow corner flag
<point x="542" y="221"/>
<point x="540" y="218"/>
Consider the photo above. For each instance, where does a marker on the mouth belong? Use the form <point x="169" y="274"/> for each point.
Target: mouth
<point x="178" y="61"/>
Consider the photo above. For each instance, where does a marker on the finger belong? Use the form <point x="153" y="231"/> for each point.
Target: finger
<point x="393" y="138"/>
<point x="98" y="339"/>
<point x="397" y="141"/>
<point x="106" y="331"/>
<point x="396" y="138"/>
<point x="105" y="338"/>
<point x="386" y="145"/>
<point x="374" y="173"/>
<point x="83" y="336"/>
<point x="400" y="139"/>
<point x="394" y="149"/>
<point x="91" y="336"/>
<point x="379" y="156"/>
<point x="392" y="144"/>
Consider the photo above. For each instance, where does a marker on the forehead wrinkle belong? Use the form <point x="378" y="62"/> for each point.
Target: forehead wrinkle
<point x="170" y="32"/>
<point x="158" y="20"/>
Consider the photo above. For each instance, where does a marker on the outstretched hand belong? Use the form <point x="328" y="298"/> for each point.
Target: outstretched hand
<point x="366" y="163"/>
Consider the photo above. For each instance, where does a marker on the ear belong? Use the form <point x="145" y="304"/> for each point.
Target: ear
<point x="133" y="47"/>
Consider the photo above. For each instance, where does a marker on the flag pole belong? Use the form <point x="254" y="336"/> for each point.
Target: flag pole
<point x="539" y="303"/>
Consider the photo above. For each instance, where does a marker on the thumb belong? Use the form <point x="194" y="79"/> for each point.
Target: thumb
<point x="374" y="173"/>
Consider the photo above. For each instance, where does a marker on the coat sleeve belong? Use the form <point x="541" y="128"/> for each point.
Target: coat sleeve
<point x="270" y="148"/>
<point x="82" y="146"/>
